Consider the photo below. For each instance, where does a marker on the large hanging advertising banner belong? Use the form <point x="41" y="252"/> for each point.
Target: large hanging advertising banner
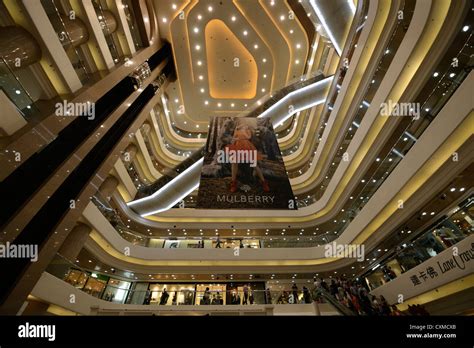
<point x="243" y="167"/>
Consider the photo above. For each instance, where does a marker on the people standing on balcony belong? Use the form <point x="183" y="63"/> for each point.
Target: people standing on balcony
<point x="294" y="292"/>
<point x="306" y="295"/>
<point x="246" y="294"/>
<point x="206" y="298"/>
<point x="164" y="297"/>
<point x="218" y="241"/>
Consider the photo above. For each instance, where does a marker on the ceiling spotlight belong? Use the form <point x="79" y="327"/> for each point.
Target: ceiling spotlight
<point x="209" y="8"/>
<point x="199" y="63"/>
<point x="272" y="2"/>
<point x="452" y="75"/>
<point x="164" y="20"/>
<point x="245" y="32"/>
<point x="255" y="46"/>
<point x="465" y="28"/>
<point x="197" y="47"/>
<point x="206" y="102"/>
<point x="233" y="18"/>
<point x="282" y="17"/>
<point x="202" y="90"/>
<point x="196" y="30"/>
<point x="264" y="60"/>
<point x="174" y="6"/>
<point x="201" y="77"/>
<point x="176" y="100"/>
<point x="219" y="105"/>
<point x="263" y="90"/>
<point x="298" y="46"/>
<point x="436" y="74"/>
<point x="291" y="31"/>
<point x="232" y="105"/>
<point x="199" y="17"/>
<point x="297" y="61"/>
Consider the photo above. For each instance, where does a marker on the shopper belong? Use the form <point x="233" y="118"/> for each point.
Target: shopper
<point x="246" y="294"/>
<point x="306" y="295"/>
<point x="218" y="242"/>
<point x="206" y="297"/>
<point x="164" y="297"/>
<point x="294" y="292"/>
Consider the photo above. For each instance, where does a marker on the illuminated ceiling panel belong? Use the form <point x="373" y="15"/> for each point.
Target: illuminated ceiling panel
<point x="208" y="84"/>
<point x="232" y="70"/>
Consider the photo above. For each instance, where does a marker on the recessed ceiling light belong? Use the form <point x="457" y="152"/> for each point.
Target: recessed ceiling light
<point x="255" y="46"/>
<point x="436" y="74"/>
<point x="264" y="60"/>
<point x="196" y="30"/>
<point x="164" y="20"/>
<point x="176" y="100"/>
<point x="219" y="105"/>
<point x="206" y="102"/>
<point x="197" y="47"/>
<point x="199" y="17"/>
<point x="199" y="63"/>
<point x="272" y="2"/>
<point x="174" y="6"/>
<point x="452" y="75"/>
<point x="297" y="61"/>
<point x="465" y="28"/>
<point x="245" y="32"/>
<point x="233" y="18"/>
<point x="202" y="90"/>
<point x="264" y="76"/>
<point x="232" y="105"/>
<point x="298" y="46"/>
<point x="282" y="17"/>
<point x="201" y="77"/>
<point x="291" y="31"/>
<point x="209" y="8"/>
<point x="263" y="90"/>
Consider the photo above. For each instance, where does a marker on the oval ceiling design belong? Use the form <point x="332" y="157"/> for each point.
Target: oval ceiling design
<point x="232" y="70"/>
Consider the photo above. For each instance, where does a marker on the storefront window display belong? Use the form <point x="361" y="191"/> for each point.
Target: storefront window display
<point x="210" y="294"/>
<point x="232" y="243"/>
<point x="138" y="294"/>
<point x="245" y="293"/>
<point x="171" y="294"/>
<point x="116" y="291"/>
<point x="76" y="278"/>
<point x="95" y="285"/>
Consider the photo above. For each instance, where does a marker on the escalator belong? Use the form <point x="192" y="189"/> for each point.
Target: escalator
<point x="41" y="226"/>
<point x="29" y="176"/>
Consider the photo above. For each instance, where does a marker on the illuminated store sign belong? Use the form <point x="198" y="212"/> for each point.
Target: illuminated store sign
<point x="451" y="264"/>
<point x="243" y="167"/>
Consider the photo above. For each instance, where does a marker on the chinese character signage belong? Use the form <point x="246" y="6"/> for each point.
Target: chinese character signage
<point x="243" y="167"/>
<point x="449" y="265"/>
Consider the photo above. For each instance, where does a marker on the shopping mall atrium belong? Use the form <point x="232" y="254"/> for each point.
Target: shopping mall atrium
<point x="236" y="157"/>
